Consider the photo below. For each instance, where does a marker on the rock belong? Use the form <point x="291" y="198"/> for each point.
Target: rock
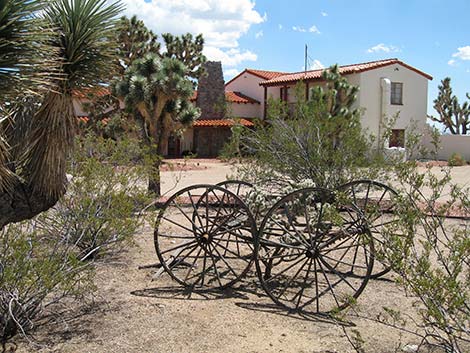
<point x="410" y="348"/>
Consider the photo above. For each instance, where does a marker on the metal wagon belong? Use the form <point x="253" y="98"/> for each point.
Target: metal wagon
<point x="313" y="249"/>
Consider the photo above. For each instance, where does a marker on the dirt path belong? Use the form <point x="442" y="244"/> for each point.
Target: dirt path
<point x="135" y="313"/>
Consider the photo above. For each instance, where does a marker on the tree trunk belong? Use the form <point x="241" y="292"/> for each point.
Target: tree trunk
<point x="23" y="203"/>
<point x="154" y="186"/>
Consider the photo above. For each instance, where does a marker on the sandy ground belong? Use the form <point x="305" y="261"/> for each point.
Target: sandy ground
<point x="134" y="312"/>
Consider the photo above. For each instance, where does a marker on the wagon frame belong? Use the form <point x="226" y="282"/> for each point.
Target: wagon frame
<point x="313" y="250"/>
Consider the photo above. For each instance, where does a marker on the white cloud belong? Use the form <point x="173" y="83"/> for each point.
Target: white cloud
<point x="451" y="62"/>
<point x="324" y="14"/>
<point x="314" y="29"/>
<point x="463" y="53"/>
<point x="316" y="65"/>
<point x="259" y="34"/>
<point x="298" y="29"/>
<point x="222" y="23"/>
<point x="231" y="73"/>
<point x="280" y="26"/>
<point x="383" y="48"/>
<point x="231" y="57"/>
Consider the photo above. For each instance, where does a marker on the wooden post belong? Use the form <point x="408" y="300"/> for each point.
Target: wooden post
<point x="265" y="101"/>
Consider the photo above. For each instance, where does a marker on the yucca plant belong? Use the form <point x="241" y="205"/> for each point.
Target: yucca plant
<point x="26" y="62"/>
<point x="83" y="43"/>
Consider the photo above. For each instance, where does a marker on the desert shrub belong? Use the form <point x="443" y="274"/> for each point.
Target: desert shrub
<point x="320" y="140"/>
<point x="100" y="212"/>
<point x="37" y="269"/>
<point x="456" y="160"/>
<point x="430" y="252"/>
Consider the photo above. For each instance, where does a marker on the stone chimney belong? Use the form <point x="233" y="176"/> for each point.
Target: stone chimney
<point x="211" y="92"/>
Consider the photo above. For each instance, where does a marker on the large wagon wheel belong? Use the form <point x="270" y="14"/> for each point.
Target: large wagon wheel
<point x="308" y="257"/>
<point x="204" y="237"/>
<point x="377" y="205"/>
<point x="238" y="187"/>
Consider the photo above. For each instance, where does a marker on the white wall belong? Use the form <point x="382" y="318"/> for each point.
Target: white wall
<point x="450" y="144"/>
<point x="415" y="97"/>
<point x="187" y="140"/>
<point x="245" y="110"/>
<point x="248" y="84"/>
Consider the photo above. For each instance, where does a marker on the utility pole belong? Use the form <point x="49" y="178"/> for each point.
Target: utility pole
<point x="306" y="55"/>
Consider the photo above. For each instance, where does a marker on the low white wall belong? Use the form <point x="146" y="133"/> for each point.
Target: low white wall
<point x="450" y="144"/>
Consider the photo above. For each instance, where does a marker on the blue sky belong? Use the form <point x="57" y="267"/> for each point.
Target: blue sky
<point x="431" y="35"/>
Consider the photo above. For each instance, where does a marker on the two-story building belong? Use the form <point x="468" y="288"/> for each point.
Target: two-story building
<point x="386" y="88"/>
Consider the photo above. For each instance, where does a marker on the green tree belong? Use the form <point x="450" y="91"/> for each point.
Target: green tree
<point x="188" y="50"/>
<point x="321" y="142"/>
<point x="160" y="90"/>
<point x="82" y="39"/>
<point x="156" y="86"/>
<point x="454" y="116"/>
<point x="134" y="40"/>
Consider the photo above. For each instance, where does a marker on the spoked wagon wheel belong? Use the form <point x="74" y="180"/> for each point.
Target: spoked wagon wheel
<point x="308" y="258"/>
<point x="238" y="187"/>
<point x="204" y="237"/>
<point x="376" y="203"/>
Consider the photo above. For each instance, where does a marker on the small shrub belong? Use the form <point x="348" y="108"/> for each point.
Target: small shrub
<point x="456" y="160"/>
<point x="431" y="255"/>
<point x="37" y="269"/>
<point x="99" y="211"/>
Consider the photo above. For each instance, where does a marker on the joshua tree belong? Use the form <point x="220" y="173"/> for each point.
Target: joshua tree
<point x="36" y="134"/>
<point x="454" y="116"/>
<point x="159" y="89"/>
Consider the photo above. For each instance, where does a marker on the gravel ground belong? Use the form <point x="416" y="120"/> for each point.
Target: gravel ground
<point x="135" y="312"/>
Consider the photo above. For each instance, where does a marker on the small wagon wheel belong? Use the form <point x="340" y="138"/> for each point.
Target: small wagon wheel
<point x="377" y="205"/>
<point x="204" y="237"/>
<point x="238" y="187"/>
<point x="307" y="257"/>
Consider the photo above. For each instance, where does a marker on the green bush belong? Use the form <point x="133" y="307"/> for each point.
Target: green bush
<point x="37" y="268"/>
<point x="319" y="141"/>
<point x="42" y="261"/>
<point x="100" y="212"/>
<point x="431" y="254"/>
<point x="456" y="160"/>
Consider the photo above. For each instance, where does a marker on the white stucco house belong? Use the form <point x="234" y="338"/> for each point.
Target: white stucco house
<point x="387" y="87"/>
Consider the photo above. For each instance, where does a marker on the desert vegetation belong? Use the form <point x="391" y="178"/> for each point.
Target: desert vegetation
<point x="65" y="211"/>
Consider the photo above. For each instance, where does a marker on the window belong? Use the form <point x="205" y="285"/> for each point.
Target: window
<point x="397" y="93"/>
<point x="397" y="138"/>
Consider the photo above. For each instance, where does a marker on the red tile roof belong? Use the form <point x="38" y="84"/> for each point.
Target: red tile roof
<point x="344" y="70"/>
<point x="94" y="91"/>
<point x="221" y="123"/>
<point x="85" y="120"/>
<point x="264" y="74"/>
<point x="233" y="97"/>
<point x="238" y="97"/>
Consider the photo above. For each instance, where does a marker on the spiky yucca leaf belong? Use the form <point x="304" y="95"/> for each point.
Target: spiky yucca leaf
<point x="7" y="177"/>
<point x="85" y="41"/>
<point x="27" y="61"/>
